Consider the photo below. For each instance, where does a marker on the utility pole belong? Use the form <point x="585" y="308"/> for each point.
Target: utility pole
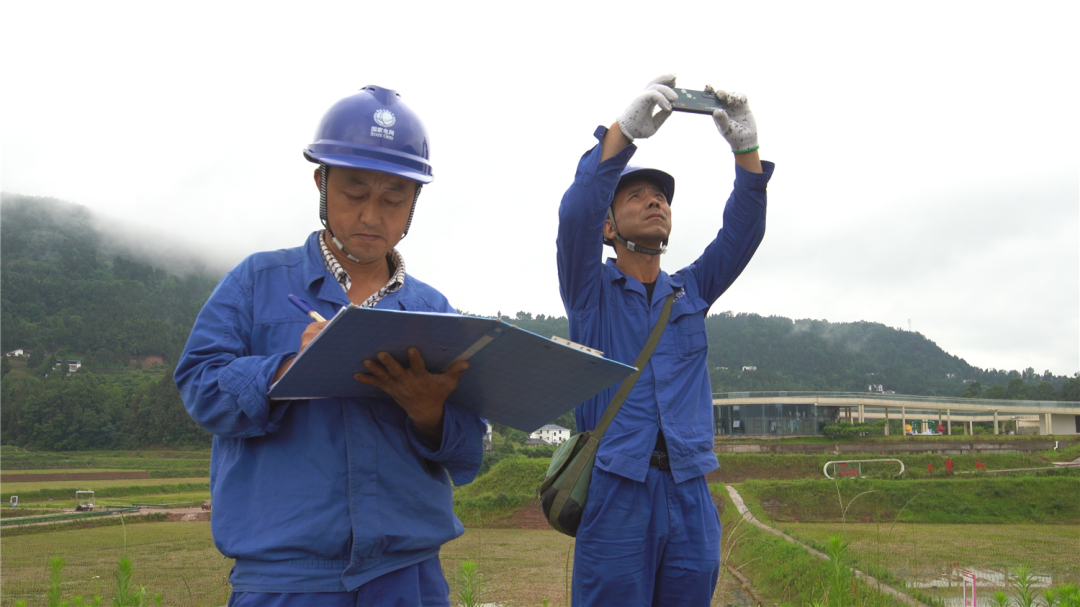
<point x="909" y="325"/>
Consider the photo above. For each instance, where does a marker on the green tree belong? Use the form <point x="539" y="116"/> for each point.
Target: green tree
<point x="1045" y="391"/>
<point x="974" y="390"/>
<point x="37" y="355"/>
<point x="1071" y="390"/>
<point x="1015" y="389"/>
<point x="567" y="420"/>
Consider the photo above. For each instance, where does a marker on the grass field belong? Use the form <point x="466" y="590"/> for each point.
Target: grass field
<point x="523" y="567"/>
<point x="16" y="472"/>
<point x="738" y="467"/>
<point x="30" y="488"/>
<point x="526" y="566"/>
<point x="178" y="500"/>
<point x="160" y="464"/>
<point x="21" y="512"/>
<point x="1050" y="500"/>
<point x="934" y="555"/>
<point x="956" y="436"/>
<point x="786" y="574"/>
<point x="177" y="560"/>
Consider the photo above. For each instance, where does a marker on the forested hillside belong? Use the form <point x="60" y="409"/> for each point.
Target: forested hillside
<point x="60" y="296"/>
<point x="823" y="356"/>
<point x="63" y="297"/>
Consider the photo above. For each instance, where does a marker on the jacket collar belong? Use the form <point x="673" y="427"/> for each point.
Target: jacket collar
<point x="330" y="290"/>
<point x="665" y="283"/>
<point x="315" y="271"/>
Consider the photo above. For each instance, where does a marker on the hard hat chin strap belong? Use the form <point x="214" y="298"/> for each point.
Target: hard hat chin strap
<point x="323" y="172"/>
<point x="631" y="245"/>
<point x="413" y="209"/>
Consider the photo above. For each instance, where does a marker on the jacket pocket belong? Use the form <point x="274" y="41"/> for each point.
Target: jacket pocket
<point x="689" y="321"/>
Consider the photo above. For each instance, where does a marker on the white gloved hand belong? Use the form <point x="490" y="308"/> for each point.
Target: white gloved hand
<point x="638" y="121"/>
<point x="735" y="122"/>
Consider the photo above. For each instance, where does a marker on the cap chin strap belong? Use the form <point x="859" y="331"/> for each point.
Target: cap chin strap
<point x="630" y="244"/>
<point x="323" y="172"/>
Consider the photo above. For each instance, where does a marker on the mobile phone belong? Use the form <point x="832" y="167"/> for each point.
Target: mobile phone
<point x="697" y="102"/>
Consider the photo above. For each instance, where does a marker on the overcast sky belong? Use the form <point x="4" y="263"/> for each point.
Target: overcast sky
<point x="927" y="153"/>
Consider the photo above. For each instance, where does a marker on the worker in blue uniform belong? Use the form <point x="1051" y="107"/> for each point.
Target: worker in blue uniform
<point x="650" y="533"/>
<point x="333" y="501"/>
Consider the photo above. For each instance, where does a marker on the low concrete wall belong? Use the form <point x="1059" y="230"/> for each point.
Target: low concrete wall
<point x="942" y="447"/>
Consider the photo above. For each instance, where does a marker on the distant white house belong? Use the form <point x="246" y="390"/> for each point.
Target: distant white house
<point x="487" y="438"/>
<point x="72" y="365"/>
<point x="875" y="388"/>
<point x="18" y="352"/>
<point x="749" y="368"/>
<point x="551" y="434"/>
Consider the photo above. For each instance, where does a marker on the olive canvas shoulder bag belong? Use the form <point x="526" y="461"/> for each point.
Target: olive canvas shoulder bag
<point x="566" y="486"/>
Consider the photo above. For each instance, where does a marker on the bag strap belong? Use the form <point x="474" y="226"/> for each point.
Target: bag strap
<point x="642" y="360"/>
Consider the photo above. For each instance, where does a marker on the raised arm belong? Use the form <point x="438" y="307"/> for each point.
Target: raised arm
<point x="584" y="206"/>
<point x="744" y="213"/>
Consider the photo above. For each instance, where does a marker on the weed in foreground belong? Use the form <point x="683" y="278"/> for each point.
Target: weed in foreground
<point x="1025" y="595"/>
<point x="840" y="590"/>
<point x="470" y="589"/>
<point x="125" y="594"/>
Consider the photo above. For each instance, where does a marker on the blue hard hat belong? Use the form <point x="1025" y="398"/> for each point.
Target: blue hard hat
<point x="660" y="178"/>
<point x="374" y="130"/>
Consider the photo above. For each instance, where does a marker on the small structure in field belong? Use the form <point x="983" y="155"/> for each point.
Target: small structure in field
<point x="84" y="501"/>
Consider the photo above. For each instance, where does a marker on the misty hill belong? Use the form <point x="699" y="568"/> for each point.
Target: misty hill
<point x="62" y="293"/>
<point x="71" y="289"/>
<point x="70" y="292"/>
<point x="819" y="355"/>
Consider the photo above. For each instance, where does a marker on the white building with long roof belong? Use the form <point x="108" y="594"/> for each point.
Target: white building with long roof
<point x="552" y="434"/>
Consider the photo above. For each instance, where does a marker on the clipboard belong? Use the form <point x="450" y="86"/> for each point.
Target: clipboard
<point x="515" y="377"/>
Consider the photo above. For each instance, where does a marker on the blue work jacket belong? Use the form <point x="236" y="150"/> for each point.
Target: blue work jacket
<point x="321" y="495"/>
<point x="608" y="311"/>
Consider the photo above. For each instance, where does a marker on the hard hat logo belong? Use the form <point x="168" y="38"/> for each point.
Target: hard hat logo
<point x="374" y="130"/>
<point x="384" y="118"/>
<point x="361" y="132"/>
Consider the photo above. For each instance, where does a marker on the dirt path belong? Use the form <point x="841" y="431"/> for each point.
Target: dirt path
<point x="172" y="515"/>
<point x="748" y="517"/>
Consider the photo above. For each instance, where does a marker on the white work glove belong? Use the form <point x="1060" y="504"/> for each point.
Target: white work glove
<point x="638" y="121"/>
<point x="735" y="122"/>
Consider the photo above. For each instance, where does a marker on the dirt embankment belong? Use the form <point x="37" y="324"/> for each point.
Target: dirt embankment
<point x="72" y="476"/>
<point x="529" y="517"/>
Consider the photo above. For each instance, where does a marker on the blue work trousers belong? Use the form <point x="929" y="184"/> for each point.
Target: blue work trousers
<point x="419" y="585"/>
<point x="649" y="543"/>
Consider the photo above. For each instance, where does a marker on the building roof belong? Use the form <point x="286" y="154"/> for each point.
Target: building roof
<point x="553" y="427"/>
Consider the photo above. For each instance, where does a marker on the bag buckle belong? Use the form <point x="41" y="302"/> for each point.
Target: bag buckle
<point x="659" y="460"/>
